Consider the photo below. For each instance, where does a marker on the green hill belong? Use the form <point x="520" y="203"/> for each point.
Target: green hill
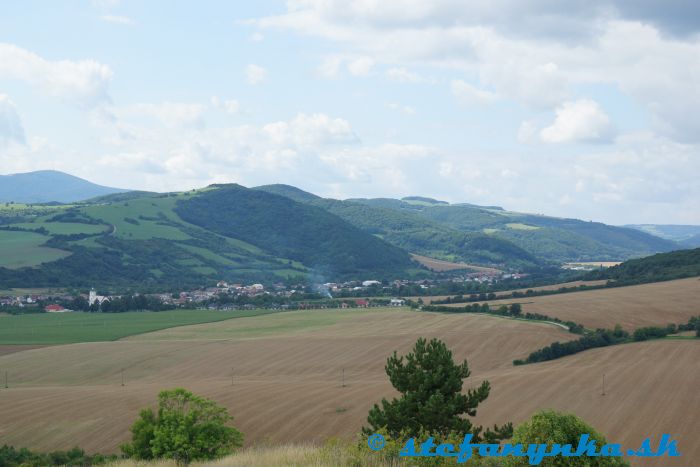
<point x="659" y="267"/>
<point x="191" y="238"/>
<point x="403" y="225"/>
<point x="279" y="232"/>
<point x="308" y="234"/>
<point x="490" y="235"/>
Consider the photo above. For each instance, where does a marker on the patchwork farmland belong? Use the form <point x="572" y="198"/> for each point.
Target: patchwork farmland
<point x="632" y="307"/>
<point x="281" y="376"/>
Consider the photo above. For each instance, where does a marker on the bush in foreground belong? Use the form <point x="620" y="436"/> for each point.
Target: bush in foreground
<point x="550" y="427"/>
<point x="185" y="428"/>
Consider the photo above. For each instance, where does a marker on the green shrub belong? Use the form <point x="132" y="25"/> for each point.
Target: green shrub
<point x="185" y="428"/>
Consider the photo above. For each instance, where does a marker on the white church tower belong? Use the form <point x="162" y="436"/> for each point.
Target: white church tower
<point x="93" y="297"/>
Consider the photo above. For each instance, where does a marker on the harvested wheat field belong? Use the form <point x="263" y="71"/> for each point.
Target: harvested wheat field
<point x="440" y="265"/>
<point x="502" y="293"/>
<point x="8" y="349"/>
<point x="281" y="377"/>
<point x="632" y="307"/>
<point x="651" y="388"/>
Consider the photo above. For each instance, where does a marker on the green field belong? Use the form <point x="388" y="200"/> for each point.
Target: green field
<point x="279" y="324"/>
<point x="140" y="219"/>
<point x="66" y="328"/>
<point x="64" y="228"/>
<point x="519" y="226"/>
<point x="20" y="249"/>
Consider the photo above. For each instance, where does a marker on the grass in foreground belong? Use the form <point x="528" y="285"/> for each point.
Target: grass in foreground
<point x="336" y="454"/>
<point x="68" y="328"/>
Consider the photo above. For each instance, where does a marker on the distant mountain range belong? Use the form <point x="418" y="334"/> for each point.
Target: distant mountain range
<point x="486" y="235"/>
<point x="275" y="232"/>
<point x="686" y="235"/>
<point x="47" y="186"/>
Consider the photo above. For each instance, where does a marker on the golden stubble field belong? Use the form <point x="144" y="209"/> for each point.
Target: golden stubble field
<point x="430" y="299"/>
<point x="632" y="307"/>
<point x="281" y="377"/>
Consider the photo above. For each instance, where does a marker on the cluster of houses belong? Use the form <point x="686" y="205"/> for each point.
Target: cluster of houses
<point x="339" y="291"/>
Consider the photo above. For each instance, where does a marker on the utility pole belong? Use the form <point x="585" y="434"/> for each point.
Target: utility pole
<point x="231" y="376"/>
<point x="343" y="377"/>
<point x="6" y="386"/>
<point x="603" y="384"/>
<point x="122" y="376"/>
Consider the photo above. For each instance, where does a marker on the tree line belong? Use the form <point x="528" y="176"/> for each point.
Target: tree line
<point x="606" y="337"/>
<point x="513" y="310"/>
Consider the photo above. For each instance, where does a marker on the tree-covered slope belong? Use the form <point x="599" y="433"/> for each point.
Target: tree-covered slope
<point x="400" y="224"/>
<point x="136" y="242"/>
<point x="659" y="267"/>
<point x="488" y="235"/>
<point x="320" y="240"/>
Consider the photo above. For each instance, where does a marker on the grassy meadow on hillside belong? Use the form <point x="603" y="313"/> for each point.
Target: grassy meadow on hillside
<point x="23" y="249"/>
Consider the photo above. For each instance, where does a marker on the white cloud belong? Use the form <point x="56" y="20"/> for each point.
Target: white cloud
<point x="310" y="130"/>
<point x="402" y="75"/>
<point x="527" y="132"/>
<point x="106" y="4"/>
<point x="255" y="74"/>
<point x="579" y="121"/>
<point x="329" y="67"/>
<point x="232" y="106"/>
<point x="469" y="95"/>
<point x="83" y="82"/>
<point x="360" y="66"/>
<point x="404" y="109"/>
<point x="257" y="37"/>
<point x="174" y="114"/>
<point x="536" y="53"/>
<point x="116" y="19"/>
<point x="11" y="129"/>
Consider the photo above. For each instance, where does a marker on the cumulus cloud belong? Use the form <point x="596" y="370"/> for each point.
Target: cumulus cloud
<point x="255" y="74"/>
<point x="310" y="130"/>
<point x="84" y="82"/>
<point x="532" y="52"/>
<point x="360" y="66"/>
<point x="404" y="109"/>
<point x="404" y="75"/>
<point x="116" y="19"/>
<point x="230" y="106"/>
<point x="579" y="121"/>
<point x="11" y="129"/>
<point x="470" y="95"/>
<point x="174" y="114"/>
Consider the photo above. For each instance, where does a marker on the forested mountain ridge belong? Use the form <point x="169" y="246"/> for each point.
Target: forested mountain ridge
<point x="489" y="234"/>
<point x="190" y="238"/>
<point x="279" y="232"/>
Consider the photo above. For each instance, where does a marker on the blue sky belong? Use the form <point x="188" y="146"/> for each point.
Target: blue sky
<point x="584" y="111"/>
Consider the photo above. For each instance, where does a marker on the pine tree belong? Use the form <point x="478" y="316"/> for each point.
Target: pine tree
<point x="431" y="399"/>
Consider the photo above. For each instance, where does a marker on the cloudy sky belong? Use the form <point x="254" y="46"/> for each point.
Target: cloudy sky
<point x="578" y="109"/>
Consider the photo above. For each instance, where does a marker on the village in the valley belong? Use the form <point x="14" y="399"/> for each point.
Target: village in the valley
<point x="235" y="296"/>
